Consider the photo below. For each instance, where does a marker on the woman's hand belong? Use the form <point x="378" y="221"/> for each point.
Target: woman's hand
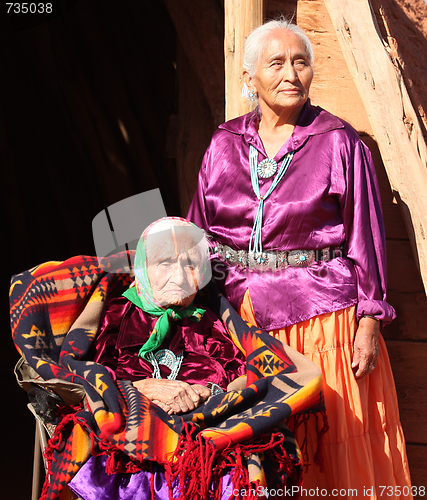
<point x="238" y="384"/>
<point x="365" y="348"/>
<point x="173" y="396"/>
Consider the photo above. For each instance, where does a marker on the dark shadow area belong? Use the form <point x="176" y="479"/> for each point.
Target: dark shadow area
<point x="87" y="98"/>
<point x="277" y="8"/>
<point x="100" y="101"/>
<point x="405" y="289"/>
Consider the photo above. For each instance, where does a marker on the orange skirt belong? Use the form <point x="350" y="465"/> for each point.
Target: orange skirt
<point x="364" y="451"/>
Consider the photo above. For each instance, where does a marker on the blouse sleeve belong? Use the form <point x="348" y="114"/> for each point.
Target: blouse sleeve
<point x="365" y="234"/>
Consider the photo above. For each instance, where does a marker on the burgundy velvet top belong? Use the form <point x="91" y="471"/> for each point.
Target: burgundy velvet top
<point x="328" y="197"/>
<point x="209" y="353"/>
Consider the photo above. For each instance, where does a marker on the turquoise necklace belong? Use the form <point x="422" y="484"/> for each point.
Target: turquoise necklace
<point x="255" y="242"/>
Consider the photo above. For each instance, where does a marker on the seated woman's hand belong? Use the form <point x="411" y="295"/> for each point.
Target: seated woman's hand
<point x="173" y="396"/>
<point x="365" y="348"/>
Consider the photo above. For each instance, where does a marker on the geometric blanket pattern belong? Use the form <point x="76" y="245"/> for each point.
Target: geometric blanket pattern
<point x="55" y="310"/>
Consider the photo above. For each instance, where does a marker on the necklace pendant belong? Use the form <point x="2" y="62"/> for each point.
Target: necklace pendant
<point x="267" y="168"/>
<point x="167" y="358"/>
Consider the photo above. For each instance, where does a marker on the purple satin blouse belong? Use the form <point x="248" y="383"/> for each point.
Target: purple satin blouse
<point x="209" y="353"/>
<point x="328" y="197"/>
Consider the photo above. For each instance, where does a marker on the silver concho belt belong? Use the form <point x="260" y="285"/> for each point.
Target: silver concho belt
<point x="275" y="259"/>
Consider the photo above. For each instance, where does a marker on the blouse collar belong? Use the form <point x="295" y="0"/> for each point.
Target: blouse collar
<point x="313" y="121"/>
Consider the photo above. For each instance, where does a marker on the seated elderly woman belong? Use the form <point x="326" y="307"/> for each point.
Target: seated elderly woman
<point x="175" y="352"/>
<point x="155" y="420"/>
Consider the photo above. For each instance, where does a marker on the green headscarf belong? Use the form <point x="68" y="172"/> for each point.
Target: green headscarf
<point x="140" y="292"/>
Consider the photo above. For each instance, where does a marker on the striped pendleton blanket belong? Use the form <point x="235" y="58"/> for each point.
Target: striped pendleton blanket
<point x="55" y="310"/>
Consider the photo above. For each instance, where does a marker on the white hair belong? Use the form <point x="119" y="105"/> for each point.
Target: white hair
<point x="257" y="41"/>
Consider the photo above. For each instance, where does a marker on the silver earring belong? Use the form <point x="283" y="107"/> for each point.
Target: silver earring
<point x="252" y="95"/>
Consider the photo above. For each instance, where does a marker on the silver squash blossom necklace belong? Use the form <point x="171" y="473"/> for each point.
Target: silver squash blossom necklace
<point x="265" y="169"/>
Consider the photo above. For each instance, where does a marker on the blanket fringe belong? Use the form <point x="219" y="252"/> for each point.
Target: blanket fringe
<point x="318" y="456"/>
<point x="56" y="443"/>
<point x="302" y="419"/>
<point x="198" y="466"/>
<point x="190" y="456"/>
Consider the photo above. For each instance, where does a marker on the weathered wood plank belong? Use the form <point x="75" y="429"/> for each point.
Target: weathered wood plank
<point x="411" y="321"/>
<point x="402" y="272"/>
<point x="404" y="25"/>
<point x="417" y="457"/>
<point x="240" y="19"/>
<point x="408" y="361"/>
<point x="332" y="83"/>
<point x="391" y="114"/>
<point x="393" y="222"/>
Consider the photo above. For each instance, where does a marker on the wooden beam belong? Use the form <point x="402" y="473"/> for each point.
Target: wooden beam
<point x="391" y="114"/>
<point x="408" y="360"/>
<point x="240" y="19"/>
<point x="417" y="457"/>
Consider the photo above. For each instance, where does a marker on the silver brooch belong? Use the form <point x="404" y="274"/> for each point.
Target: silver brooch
<point x="267" y="168"/>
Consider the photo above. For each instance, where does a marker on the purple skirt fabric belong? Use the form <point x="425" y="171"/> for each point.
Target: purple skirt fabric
<point x="92" y="483"/>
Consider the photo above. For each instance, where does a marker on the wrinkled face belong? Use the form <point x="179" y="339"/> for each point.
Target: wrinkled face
<point x="284" y="73"/>
<point x="175" y="271"/>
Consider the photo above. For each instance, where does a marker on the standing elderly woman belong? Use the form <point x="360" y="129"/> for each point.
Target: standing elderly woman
<point x="289" y="194"/>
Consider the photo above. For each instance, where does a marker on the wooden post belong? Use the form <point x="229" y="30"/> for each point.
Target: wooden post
<point x="241" y="17"/>
<point x="392" y="116"/>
